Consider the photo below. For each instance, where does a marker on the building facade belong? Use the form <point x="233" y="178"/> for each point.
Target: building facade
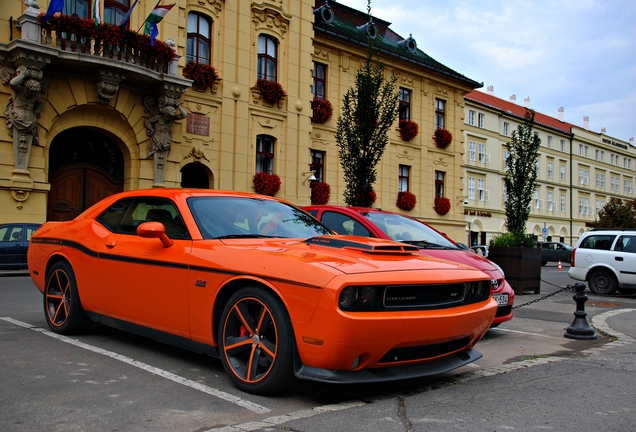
<point x="90" y="112"/>
<point x="578" y="171"/>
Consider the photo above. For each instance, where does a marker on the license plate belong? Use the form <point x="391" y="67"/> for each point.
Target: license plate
<point x="502" y="299"/>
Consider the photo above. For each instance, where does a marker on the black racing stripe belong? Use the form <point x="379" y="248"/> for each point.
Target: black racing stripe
<point x="627" y="272"/>
<point x="66" y="243"/>
<point x="142" y="261"/>
<point x="255" y="275"/>
<point x="132" y="260"/>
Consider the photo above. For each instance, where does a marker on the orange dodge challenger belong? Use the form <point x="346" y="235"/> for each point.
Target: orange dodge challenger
<point x="262" y="285"/>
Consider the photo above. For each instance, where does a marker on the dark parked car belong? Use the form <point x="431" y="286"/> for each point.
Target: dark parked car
<point x="14" y="242"/>
<point x="554" y="251"/>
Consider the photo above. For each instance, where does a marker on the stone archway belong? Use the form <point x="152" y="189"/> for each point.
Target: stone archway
<point x="195" y="175"/>
<point x="85" y="166"/>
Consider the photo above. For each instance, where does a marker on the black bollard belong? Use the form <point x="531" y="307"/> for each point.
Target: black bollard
<point x="580" y="328"/>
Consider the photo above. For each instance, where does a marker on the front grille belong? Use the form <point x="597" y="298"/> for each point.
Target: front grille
<point x="503" y="310"/>
<point x="423" y="351"/>
<point x="423" y="295"/>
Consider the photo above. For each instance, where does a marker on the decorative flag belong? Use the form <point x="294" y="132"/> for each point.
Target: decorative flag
<point x="124" y="21"/>
<point x="97" y="13"/>
<point x="155" y="17"/>
<point x="55" y="6"/>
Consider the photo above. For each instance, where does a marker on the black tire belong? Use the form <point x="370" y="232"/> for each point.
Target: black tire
<point x="271" y="347"/>
<point x="543" y="263"/>
<point x="603" y="282"/>
<point x="62" y="306"/>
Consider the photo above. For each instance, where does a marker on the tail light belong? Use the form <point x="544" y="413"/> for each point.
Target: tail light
<point x="572" y="258"/>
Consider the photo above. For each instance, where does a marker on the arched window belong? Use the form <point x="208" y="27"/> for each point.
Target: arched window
<point x="199" y="31"/>
<point x="114" y="11"/>
<point x="267" y="58"/>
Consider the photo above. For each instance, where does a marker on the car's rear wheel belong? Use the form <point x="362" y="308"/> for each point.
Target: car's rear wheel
<point x="256" y="342"/>
<point x="62" y="306"/>
<point x="602" y="282"/>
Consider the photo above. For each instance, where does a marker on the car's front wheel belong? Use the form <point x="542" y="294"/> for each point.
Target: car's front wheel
<point x="256" y="342"/>
<point x="62" y="306"/>
<point x="602" y="282"/>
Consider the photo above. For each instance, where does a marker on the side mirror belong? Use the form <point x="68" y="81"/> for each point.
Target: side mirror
<point x="154" y="230"/>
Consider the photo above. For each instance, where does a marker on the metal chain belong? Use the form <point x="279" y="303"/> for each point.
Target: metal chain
<point x="570" y="288"/>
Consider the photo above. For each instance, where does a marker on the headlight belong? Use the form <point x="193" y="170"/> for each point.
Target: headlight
<point x="367" y="296"/>
<point x="503" y="276"/>
<point x="348" y="297"/>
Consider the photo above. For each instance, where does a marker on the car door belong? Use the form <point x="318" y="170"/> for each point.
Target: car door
<point x="344" y="224"/>
<point x="12" y="247"/>
<point x="141" y="281"/>
<point x="623" y="258"/>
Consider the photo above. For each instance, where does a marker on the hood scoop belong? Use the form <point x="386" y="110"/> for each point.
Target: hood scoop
<point x="364" y="244"/>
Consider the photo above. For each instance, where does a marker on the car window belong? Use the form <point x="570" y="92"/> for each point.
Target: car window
<point x="405" y="229"/>
<point x="598" y="241"/>
<point x="227" y="217"/>
<point x="11" y="233"/>
<point x="343" y="224"/>
<point x="125" y="216"/>
<point x="30" y="230"/>
<point x="626" y="244"/>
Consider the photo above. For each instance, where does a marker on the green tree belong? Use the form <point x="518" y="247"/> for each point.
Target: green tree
<point x="521" y="174"/>
<point x="617" y="214"/>
<point x="368" y="111"/>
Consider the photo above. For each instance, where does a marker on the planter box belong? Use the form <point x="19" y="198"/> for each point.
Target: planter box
<point x="521" y="265"/>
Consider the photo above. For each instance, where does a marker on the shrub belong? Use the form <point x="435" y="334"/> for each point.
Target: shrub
<point x="266" y="184"/>
<point x="408" y="129"/>
<point x="406" y="200"/>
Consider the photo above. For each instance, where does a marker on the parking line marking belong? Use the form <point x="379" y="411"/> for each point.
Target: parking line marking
<point x="525" y="333"/>
<point x="148" y="368"/>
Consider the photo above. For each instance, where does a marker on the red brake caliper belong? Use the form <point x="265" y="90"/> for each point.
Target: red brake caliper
<point x="243" y="331"/>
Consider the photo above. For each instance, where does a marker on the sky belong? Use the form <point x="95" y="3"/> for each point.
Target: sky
<point x="575" y="54"/>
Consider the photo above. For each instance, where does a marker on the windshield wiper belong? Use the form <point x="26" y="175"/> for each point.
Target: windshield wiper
<point x="425" y="244"/>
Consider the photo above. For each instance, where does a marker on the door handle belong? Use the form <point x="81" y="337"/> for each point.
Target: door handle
<point x="618" y="258"/>
<point x="111" y="244"/>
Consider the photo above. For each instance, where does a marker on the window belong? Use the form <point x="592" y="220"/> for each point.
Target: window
<point x="505" y="159"/>
<point x="580" y="149"/>
<point x="624" y="162"/>
<point x="599" y="206"/>
<point x="114" y="11"/>
<point x="603" y="181"/>
<point x="81" y="8"/>
<point x="471" y="117"/>
<point x="265" y="154"/>
<point x="562" y="145"/>
<point x="198" y="48"/>
<point x="482" y="153"/>
<point x="471" y="151"/>
<point x="505" y="193"/>
<point x="549" y="141"/>
<point x="471" y="188"/>
<point x="405" y="104"/>
<point x="562" y="173"/>
<point x="439" y="183"/>
<point x="344" y="225"/>
<point x="506" y="127"/>
<point x="403" y="178"/>
<point x="550" y="170"/>
<point x="602" y="155"/>
<point x="584" y="176"/>
<point x="550" y="204"/>
<point x="562" y="203"/>
<point x="127" y="214"/>
<point x="598" y="180"/>
<point x="612" y="159"/>
<point x="317" y="164"/>
<point x="586" y="151"/>
<point x="597" y="153"/>
<point x="319" y="75"/>
<point x="482" y="120"/>
<point x="537" y="202"/>
<point x="440" y="108"/>
<point x="614" y="184"/>
<point x="267" y="58"/>
<point x="480" y="189"/>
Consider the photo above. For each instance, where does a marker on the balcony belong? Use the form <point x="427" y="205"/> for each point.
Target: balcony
<point x="105" y="53"/>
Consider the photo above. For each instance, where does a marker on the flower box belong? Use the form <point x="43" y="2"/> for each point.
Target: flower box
<point x="443" y="138"/>
<point x="406" y="200"/>
<point x="442" y="205"/>
<point x="322" y="110"/>
<point x="271" y="91"/>
<point x="320" y="192"/>
<point x="266" y="184"/>
<point x="408" y="129"/>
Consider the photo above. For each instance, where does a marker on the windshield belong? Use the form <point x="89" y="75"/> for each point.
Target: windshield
<point x="407" y="230"/>
<point x="239" y="217"/>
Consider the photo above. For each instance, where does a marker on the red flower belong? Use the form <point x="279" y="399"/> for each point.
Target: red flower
<point x="322" y="110"/>
<point x="320" y="192"/>
<point x="272" y="91"/>
<point x="266" y="184"/>
<point x="203" y="75"/>
<point x="442" y="205"/>
<point x="406" y="200"/>
<point x="443" y="138"/>
<point x="408" y="129"/>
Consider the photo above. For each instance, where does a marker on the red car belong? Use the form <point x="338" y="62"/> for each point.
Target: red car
<point x="372" y="222"/>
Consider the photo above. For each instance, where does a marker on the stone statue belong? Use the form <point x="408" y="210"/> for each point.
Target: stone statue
<point x="159" y="129"/>
<point x="22" y="113"/>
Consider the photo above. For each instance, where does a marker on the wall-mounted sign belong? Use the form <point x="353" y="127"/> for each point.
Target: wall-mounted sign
<point x="198" y="124"/>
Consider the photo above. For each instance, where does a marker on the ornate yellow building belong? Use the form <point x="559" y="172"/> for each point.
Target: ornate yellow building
<point x="91" y="111"/>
